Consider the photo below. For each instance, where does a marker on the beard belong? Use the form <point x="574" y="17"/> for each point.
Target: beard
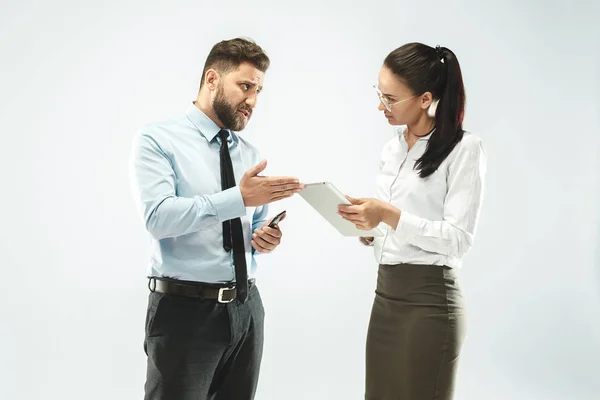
<point x="228" y="114"/>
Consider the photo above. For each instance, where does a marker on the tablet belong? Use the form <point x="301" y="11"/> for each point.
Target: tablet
<point x="325" y="199"/>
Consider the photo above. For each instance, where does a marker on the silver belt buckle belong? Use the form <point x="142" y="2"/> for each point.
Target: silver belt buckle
<point x="220" y="295"/>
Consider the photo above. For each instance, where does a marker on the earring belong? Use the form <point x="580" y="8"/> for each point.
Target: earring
<point x="432" y="108"/>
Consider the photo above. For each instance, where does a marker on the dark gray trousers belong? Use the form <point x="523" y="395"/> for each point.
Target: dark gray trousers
<point x="200" y="349"/>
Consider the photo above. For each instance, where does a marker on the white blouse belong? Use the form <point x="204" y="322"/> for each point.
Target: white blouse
<point x="439" y="214"/>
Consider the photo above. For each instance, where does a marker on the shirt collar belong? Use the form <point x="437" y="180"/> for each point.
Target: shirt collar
<point x="400" y="131"/>
<point x="207" y="127"/>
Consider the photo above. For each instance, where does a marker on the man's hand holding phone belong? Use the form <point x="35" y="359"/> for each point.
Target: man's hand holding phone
<point x="266" y="238"/>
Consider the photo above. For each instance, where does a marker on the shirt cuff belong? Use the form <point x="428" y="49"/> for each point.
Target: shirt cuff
<point x="229" y="204"/>
<point x="257" y="224"/>
<point x="408" y="227"/>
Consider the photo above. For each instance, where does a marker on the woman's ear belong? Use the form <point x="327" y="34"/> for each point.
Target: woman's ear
<point x="426" y="100"/>
<point x="432" y="108"/>
<point x="429" y="103"/>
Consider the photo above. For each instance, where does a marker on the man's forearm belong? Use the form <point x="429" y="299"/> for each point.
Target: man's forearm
<point x="176" y="216"/>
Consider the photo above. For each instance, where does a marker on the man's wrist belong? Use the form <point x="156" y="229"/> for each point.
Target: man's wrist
<point x="243" y="195"/>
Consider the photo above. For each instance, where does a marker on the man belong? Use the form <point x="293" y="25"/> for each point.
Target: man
<point x="198" y="188"/>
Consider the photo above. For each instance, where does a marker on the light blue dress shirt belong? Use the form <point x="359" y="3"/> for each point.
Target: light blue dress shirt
<point x="176" y="184"/>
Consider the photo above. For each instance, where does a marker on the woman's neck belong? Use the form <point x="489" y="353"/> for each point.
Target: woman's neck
<point x="417" y="130"/>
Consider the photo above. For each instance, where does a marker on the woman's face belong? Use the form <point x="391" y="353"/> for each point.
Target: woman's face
<point x="406" y="106"/>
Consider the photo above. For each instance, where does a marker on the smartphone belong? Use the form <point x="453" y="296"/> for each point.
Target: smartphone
<point x="276" y="219"/>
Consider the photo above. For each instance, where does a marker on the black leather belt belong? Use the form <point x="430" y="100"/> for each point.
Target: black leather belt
<point x="222" y="293"/>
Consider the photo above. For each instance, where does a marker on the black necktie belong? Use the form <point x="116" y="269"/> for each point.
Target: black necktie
<point x="233" y="234"/>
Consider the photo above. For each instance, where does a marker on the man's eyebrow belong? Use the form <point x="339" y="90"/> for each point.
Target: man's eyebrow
<point x="250" y="83"/>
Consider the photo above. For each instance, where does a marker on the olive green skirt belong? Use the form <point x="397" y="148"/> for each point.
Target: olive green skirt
<point x="415" y="333"/>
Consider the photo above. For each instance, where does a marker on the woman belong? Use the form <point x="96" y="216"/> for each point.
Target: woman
<point x="428" y="196"/>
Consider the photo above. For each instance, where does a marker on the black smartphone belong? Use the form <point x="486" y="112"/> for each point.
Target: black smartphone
<point x="276" y="219"/>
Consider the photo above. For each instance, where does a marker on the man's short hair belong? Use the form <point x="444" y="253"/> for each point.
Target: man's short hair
<point x="228" y="55"/>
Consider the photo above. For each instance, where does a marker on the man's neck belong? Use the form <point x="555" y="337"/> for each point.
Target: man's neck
<point x="207" y="109"/>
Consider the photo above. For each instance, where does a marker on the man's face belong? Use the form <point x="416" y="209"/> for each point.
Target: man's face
<point x="236" y="95"/>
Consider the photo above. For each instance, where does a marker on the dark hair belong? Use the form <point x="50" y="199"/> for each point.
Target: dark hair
<point x="228" y="55"/>
<point x="426" y="69"/>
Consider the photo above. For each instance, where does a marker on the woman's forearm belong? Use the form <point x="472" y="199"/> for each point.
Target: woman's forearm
<point x="391" y="215"/>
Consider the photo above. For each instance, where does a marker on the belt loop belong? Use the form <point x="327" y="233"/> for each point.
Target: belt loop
<point x="153" y="288"/>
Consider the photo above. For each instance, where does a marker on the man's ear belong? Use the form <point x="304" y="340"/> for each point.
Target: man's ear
<point x="212" y="79"/>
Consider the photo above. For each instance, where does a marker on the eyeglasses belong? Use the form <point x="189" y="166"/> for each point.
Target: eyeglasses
<point x="384" y="100"/>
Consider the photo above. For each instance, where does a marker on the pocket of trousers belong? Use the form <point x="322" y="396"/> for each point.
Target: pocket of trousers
<point x="153" y="309"/>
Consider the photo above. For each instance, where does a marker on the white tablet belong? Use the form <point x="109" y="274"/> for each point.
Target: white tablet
<point x="325" y="199"/>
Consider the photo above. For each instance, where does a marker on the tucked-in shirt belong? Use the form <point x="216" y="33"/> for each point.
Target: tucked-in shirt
<point x="176" y="184"/>
<point x="439" y="214"/>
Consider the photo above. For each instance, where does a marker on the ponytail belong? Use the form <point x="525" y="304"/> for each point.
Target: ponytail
<point x="449" y="114"/>
<point x="435" y="70"/>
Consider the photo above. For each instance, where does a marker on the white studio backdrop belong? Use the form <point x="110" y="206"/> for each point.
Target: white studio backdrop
<point x="79" y="79"/>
